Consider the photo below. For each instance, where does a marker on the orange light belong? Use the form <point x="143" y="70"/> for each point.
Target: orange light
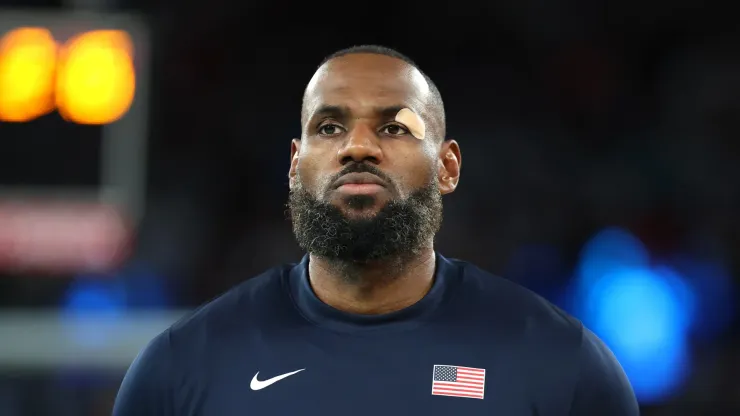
<point x="27" y="65"/>
<point x="96" y="81"/>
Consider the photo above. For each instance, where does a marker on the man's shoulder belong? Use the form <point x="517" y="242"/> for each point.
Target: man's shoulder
<point x="244" y="305"/>
<point x="501" y="303"/>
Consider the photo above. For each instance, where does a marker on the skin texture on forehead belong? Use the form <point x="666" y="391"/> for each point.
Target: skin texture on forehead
<point x="365" y="80"/>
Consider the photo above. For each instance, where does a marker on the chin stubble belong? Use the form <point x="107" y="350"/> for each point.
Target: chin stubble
<point x="398" y="231"/>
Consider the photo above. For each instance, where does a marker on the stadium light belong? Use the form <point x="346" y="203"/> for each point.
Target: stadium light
<point x="93" y="66"/>
<point x="642" y="311"/>
<point x="96" y="79"/>
<point x="27" y="68"/>
<point x="91" y="79"/>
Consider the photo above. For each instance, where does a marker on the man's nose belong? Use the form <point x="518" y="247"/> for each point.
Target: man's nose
<point x="362" y="144"/>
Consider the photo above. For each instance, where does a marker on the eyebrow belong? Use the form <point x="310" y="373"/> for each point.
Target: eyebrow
<point x="343" y="112"/>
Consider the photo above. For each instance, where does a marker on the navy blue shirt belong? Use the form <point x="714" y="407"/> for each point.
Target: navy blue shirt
<point x="476" y="344"/>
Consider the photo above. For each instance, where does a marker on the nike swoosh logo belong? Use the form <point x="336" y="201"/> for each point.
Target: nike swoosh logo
<point x="259" y="385"/>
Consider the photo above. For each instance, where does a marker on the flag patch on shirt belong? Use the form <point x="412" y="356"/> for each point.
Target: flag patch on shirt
<point x="455" y="381"/>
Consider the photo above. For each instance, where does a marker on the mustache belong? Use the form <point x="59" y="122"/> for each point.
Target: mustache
<point x="363" y="168"/>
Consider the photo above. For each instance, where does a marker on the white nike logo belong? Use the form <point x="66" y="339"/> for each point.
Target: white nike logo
<point x="259" y="385"/>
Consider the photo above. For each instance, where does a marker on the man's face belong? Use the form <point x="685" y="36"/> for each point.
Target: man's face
<point x="362" y="187"/>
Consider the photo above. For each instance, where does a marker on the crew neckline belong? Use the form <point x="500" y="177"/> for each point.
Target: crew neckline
<point x="446" y="275"/>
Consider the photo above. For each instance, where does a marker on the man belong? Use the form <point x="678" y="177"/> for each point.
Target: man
<point x="373" y="321"/>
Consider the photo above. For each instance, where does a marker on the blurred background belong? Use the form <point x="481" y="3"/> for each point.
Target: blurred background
<point x="144" y="148"/>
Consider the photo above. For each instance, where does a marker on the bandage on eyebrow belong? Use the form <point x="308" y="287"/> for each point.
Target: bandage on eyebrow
<point x="416" y="125"/>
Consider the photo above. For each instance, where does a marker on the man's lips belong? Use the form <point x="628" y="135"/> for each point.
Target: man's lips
<point x="359" y="183"/>
<point x="363" y="178"/>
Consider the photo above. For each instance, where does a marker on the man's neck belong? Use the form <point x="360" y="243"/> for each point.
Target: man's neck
<point x="372" y="289"/>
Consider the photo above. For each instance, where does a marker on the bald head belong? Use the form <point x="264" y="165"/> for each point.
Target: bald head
<point x="372" y="76"/>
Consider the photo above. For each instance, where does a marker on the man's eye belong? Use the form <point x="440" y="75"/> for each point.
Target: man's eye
<point x="395" y="130"/>
<point x="330" y="130"/>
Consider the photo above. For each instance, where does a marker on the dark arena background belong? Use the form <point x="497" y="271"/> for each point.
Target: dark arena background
<point x="601" y="169"/>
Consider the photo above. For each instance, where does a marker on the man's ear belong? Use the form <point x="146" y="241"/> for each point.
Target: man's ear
<point x="450" y="162"/>
<point x="295" y="150"/>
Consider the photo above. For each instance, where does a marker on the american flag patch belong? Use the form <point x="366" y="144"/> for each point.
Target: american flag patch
<point x="451" y="380"/>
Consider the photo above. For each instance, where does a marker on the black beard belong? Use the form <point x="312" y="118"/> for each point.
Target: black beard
<point x="397" y="232"/>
